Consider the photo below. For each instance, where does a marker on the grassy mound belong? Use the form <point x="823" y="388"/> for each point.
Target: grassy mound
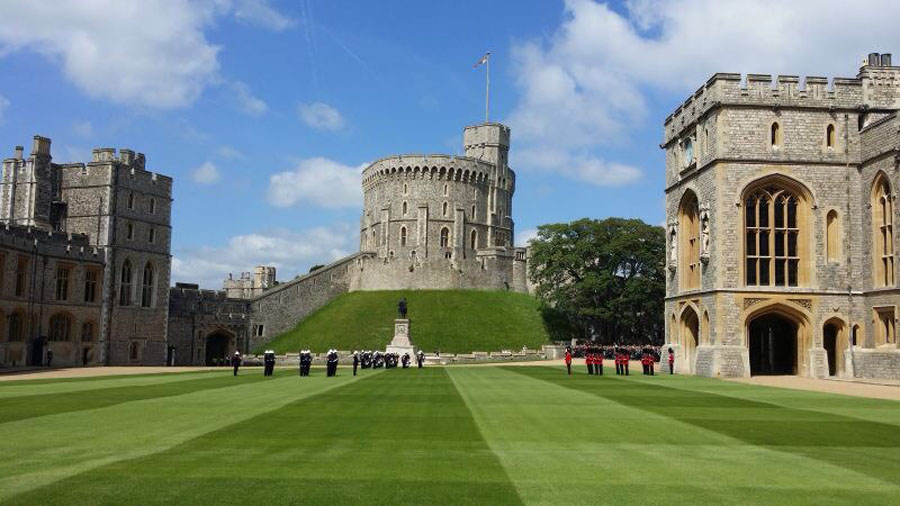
<point x="456" y="321"/>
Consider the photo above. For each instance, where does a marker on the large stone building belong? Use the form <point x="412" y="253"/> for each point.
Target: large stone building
<point x="84" y="259"/>
<point x="780" y="197"/>
<point x="428" y="222"/>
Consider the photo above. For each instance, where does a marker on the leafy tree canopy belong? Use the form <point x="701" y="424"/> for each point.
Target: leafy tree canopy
<point x="602" y="279"/>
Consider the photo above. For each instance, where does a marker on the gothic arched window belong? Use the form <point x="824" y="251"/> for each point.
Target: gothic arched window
<point x="125" y="281"/>
<point x="689" y="225"/>
<point x="402" y="236"/>
<point x="829" y="136"/>
<point x="147" y="286"/>
<point x="60" y="327"/>
<point x="474" y="239"/>
<point x="883" y="221"/>
<point x="775" y="134"/>
<point x="773" y="248"/>
<point x="445" y="237"/>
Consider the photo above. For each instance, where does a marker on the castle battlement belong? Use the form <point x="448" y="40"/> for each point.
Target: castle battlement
<point x="787" y="91"/>
<point x="58" y="244"/>
<point x="434" y="166"/>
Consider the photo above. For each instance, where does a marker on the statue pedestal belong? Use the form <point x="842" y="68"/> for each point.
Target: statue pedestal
<point x="401" y="344"/>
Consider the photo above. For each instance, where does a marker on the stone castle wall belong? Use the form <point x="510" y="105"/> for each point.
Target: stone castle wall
<point x="728" y="126"/>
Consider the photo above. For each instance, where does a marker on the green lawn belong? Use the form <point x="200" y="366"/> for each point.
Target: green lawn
<point x="453" y="321"/>
<point x="475" y="435"/>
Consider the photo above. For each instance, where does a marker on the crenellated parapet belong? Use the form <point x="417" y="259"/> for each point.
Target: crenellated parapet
<point x="761" y="90"/>
<point x="431" y="167"/>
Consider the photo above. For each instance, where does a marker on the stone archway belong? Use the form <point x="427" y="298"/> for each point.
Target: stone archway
<point x="834" y="340"/>
<point x="218" y="344"/>
<point x="688" y="336"/>
<point x="773" y="345"/>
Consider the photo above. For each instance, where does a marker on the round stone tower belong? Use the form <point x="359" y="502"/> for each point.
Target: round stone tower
<point x="441" y="221"/>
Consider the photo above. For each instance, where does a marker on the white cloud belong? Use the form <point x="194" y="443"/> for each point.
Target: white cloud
<point x="317" y="181"/>
<point x="4" y="105"/>
<point x="593" y="81"/>
<point x="260" y="13"/>
<point x="134" y="52"/>
<point x="321" y="116"/>
<point x="83" y="128"/>
<point x="290" y="252"/>
<point x="524" y="236"/>
<point x="206" y="174"/>
<point x="246" y="101"/>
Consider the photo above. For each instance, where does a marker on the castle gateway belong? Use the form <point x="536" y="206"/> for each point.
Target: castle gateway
<point x="780" y="199"/>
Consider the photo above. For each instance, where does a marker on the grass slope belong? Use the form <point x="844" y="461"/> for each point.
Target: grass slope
<point x="457" y="321"/>
<point x="475" y="435"/>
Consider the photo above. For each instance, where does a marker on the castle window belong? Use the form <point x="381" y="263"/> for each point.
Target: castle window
<point x="773" y="237"/>
<point x="829" y="136"/>
<point x="152" y="207"/>
<point x="473" y="213"/>
<point x="687" y="149"/>
<point x="402" y="236"/>
<point x="147" y="286"/>
<point x="689" y="231"/>
<point x="134" y="351"/>
<point x="62" y="282"/>
<point x="151" y="234"/>
<point x="832" y="239"/>
<point x="87" y="332"/>
<point x="886" y="328"/>
<point x="91" y="277"/>
<point x="445" y="209"/>
<point x="883" y="221"/>
<point x="259" y="330"/>
<point x="60" y="328"/>
<point x="474" y="239"/>
<point x="130" y="200"/>
<point x="15" y="327"/>
<point x="21" y="276"/>
<point x="404" y="208"/>
<point x="446" y="190"/>
<point x="445" y="237"/>
<point x="125" y="284"/>
<point x="775" y="135"/>
<point x="129" y="231"/>
<point x="405" y="189"/>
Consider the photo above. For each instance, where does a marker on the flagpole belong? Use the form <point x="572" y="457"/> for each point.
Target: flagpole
<point x="487" y="90"/>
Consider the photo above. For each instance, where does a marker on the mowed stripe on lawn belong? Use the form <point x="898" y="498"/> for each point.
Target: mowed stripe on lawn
<point x="29" y="406"/>
<point x="398" y="436"/>
<point x="39" y="451"/>
<point x="562" y="440"/>
<point x="20" y="388"/>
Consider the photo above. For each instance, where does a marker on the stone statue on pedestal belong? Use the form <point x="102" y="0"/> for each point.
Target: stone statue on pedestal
<point x="401" y="309"/>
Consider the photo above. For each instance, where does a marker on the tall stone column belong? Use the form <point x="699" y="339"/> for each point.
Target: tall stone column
<point x="459" y="221"/>
<point x="385" y="232"/>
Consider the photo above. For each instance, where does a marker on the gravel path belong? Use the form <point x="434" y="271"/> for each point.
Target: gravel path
<point x="860" y="388"/>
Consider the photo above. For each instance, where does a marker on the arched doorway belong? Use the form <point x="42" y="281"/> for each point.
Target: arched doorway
<point x="216" y="348"/>
<point x="773" y="345"/>
<point x="834" y="341"/>
<point x="689" y="335"/>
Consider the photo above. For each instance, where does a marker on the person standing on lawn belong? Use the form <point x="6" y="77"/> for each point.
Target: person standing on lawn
<point x="236" y="361"/>
<point x="569" y="360"/>
<point x="671" y="361"/>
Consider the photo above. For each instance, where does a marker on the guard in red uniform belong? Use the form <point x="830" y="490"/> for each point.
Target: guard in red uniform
<point x="671" y="361"/>
<point x="626" y="357"/>
<point x="598" y="362"/>
<point x="569" y="360"/>
<point x="651" y="362"/>
<point x="618" y="360"/>
<point x="589" y="361"/>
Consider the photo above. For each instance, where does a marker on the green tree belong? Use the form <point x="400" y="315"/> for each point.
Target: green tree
<point x="602" y="279"/>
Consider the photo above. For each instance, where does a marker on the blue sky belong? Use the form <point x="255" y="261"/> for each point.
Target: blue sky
<point x="265" y="111"/>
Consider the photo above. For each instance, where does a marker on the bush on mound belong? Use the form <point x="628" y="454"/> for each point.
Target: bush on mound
<point x="452" y="321"/>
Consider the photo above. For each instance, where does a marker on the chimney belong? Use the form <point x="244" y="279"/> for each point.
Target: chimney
<point x="41" y="146"/>
<point x="886" y="60"/>
<point x="19" y="151"/>
<point x="874" y="59"/>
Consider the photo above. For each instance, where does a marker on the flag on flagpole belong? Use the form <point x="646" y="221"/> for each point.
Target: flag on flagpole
<point x="483" y="60"/>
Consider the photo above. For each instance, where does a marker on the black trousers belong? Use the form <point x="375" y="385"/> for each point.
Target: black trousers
<point x="618" y="369"/>
<point x="569" y="368"/>
<point x="590" y="368"/>
<point x="625" y="365"/>
<point x="598" y="369"/>
<point x="354" y="369"/>
<point x="236" y="369"/>
<point x="671" y="367"/>
<point x="651" y="369"/>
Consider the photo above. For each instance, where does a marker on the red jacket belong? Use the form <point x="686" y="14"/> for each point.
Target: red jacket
<point x="568" y="358"/>
<point x="671" y="357"/>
